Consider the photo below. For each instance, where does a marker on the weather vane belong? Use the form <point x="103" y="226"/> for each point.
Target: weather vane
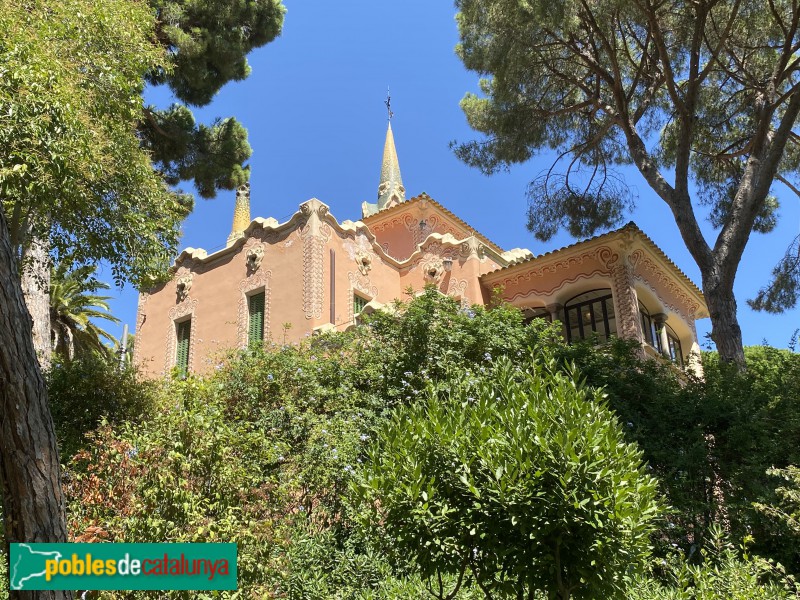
<point x="388" y="104"/>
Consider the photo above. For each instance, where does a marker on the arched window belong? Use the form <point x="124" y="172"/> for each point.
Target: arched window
<point x="648" y="327"/>
<point x="590" y="313"/>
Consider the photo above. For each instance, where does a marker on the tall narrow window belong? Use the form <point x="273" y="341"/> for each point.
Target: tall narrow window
<point x="675" y="351"/>
<point x="358" y="304"/>
<point x="255" y="333"/>
<point x="648" y="329"/>
<point x="184" y="333"/>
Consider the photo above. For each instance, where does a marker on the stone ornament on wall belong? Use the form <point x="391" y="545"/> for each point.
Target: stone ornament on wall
<point x="140" y="319"/>
<point x="315" y="233"/>
<point x="364" y="262"/>
<point x="472" y="247"/>
<point x="458" y="289"/>
<point x="432" y="262"/>
<point x="433" y="271"/>
<point x="253" y="283"/>
<point x="177" y="313"/>
<point x="359" y="249"/>
<point x="182" y="286"/>
<point x="254" y="257"/>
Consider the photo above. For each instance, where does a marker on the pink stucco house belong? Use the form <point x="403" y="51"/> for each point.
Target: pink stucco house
<point x="317" y="274"/>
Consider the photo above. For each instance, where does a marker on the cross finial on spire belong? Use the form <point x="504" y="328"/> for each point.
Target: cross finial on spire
<point x="388" y="103"/>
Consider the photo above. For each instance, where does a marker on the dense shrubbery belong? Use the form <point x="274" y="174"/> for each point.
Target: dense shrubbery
<point x="515" y="477"/>
<point x="85" y="391"/>
<point x="264" y="452"/>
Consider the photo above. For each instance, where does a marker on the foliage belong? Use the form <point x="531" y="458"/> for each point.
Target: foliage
<point x="73" y="303"/>
<point x="430" y="336"/>
<point x="754" y="419"/>
<point x="189" y="476"/>
<point x="207" y="43"/>
<point x="782" y="515"/>
<point x="518" y="477"/>
<point x="265" y="450"/>
<point x="670" y="422"/>
<point x="659" y="86"/>
<point x="92" y="390"/>
<point x="3" y="573"/>
<point x="322" y="565"/>
<point x="316" y="404"/>
<point x="721" y="571"/>
<point x="70" y="96"/>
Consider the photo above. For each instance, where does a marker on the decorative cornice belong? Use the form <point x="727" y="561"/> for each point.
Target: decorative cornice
<point x="624" y="239"/>
<point x="647" y="270"/>
<point x="605" y="255"/>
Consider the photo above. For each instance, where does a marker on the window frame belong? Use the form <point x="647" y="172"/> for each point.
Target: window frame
<point x="262" y="294"/>
<point x="594" y="320"/>
<point x="359" y="303"/>
<point x="649" y="329"/>
<point x="183" y="345"/>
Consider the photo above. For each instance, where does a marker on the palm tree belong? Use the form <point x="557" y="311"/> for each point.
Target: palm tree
<point x="73" y="305"/>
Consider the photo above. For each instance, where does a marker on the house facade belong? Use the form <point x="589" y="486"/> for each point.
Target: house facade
<point x="313" y="273"/>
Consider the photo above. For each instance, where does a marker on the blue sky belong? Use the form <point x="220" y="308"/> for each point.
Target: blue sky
<point x="314" y="109"/>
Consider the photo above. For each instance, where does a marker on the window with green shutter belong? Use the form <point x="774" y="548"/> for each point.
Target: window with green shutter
<point x="255" y="330"/>
<point x="184" y="333"/>
<point x="358" y="303"/>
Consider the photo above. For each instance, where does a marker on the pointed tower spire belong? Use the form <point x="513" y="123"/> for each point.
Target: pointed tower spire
<point x="241" y="213"/>
<point x="390" y="188"/>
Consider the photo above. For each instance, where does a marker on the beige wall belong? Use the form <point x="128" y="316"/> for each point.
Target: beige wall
<point x="306" y="262"/>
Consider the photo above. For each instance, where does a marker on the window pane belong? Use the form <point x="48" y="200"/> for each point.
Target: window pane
<point x="358" y="303"/>
<point x="590" y="313"/>
<point x="256" y="326"/>
<point x="183" y="332"/>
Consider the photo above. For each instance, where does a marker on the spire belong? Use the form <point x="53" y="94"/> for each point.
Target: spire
<point x="390" y="188"/>
<point x="241" y="213"/>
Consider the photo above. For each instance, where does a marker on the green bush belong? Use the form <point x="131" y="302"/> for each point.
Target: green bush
<point x="719" y="571"/>
<point x="86" y="390"/>
<point x="754" y="418"/>
<point x="669" y="420"/>
<point x="191" y="475"/>
<point x="517" y="477"/>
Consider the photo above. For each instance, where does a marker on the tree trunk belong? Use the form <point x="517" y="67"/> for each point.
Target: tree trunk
<point x="30" y="479"/>
<point x="36" y="288"/>
<point x="725" y="330"/>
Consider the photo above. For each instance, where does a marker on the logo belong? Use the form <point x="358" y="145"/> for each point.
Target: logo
<point x="104" y="566"/>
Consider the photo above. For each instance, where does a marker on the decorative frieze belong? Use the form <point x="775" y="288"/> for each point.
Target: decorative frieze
<point x="626" y="303"/>
<point x="315" y="233"/>
<point x="140" y="319"/>
<point x="650" y="273"/>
